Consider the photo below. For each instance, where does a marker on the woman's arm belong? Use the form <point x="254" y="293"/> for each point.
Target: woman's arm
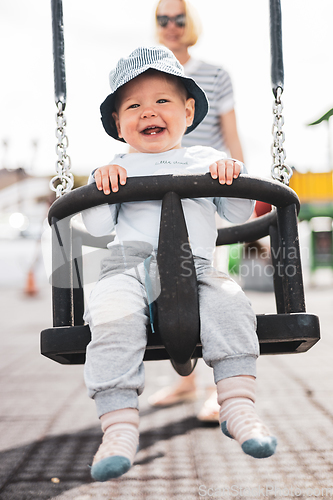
<point x="229" y="131"/>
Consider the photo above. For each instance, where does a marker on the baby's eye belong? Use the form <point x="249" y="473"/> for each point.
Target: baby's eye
<point x="133" y="106"/>
<point x="161" y="101"/>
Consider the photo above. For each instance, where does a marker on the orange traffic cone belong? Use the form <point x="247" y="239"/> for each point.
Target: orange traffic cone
<point x="30" y="287"/>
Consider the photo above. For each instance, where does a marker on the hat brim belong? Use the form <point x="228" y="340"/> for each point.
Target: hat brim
<point x="193" y="90"/>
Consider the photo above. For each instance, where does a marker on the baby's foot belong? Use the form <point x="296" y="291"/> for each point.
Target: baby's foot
<point x="118" y="448"/>
<point x="239" y="420"/>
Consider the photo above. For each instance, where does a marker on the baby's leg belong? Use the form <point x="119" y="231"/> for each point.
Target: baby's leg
<point x="117" y="316"/>
<point x="114" y="372"/>
<point x="227" y="324"/>
<point x="230" y="347"/>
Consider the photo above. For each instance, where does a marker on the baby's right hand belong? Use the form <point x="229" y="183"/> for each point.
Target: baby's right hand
<point x="108" y="175"/>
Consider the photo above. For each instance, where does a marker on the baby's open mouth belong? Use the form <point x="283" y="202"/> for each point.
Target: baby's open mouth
<point x="152" y="130"/>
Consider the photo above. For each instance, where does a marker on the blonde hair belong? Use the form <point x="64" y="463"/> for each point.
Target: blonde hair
<point x="193" y="26"/>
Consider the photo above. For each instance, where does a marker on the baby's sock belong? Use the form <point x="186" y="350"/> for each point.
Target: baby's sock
<point x="118" y="448"/>
<point x="238" y="417"/>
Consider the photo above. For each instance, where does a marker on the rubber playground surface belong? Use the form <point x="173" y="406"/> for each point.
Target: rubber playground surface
<point x="49" y="430"/>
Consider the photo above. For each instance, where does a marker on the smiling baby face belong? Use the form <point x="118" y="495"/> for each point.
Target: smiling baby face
<point x="153" y="112"/>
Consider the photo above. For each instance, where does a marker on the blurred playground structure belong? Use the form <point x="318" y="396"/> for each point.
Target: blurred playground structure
<point x="315" y="191"/>
<point x="251" y="263"/>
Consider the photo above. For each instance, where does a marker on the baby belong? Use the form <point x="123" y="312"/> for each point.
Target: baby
<point x="151" y="107"/>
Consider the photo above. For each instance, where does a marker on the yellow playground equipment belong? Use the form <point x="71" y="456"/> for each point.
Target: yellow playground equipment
<point x="315" y="191"/>
<point x="314" y="188"/>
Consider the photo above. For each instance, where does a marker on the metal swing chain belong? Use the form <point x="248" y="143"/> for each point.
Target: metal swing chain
<point x="280" y="170"/>
<point x="64" y="181"/>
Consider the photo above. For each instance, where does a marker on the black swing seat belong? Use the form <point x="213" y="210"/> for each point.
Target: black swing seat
<point x="177" y="328"/>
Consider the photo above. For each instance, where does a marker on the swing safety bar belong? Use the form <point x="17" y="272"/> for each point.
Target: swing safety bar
<point x="290" y="330"/>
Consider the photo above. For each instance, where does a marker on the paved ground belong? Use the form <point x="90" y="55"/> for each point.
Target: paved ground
<point x="49" y="430"/>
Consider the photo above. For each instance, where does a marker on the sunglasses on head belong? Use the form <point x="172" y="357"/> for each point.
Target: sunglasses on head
<point x="179" y="20"/>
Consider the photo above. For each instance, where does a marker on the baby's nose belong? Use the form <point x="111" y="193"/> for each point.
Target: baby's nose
<point x="148" y="113"/>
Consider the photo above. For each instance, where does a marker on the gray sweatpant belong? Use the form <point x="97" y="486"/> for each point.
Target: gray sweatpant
<point x="118" y="314"/>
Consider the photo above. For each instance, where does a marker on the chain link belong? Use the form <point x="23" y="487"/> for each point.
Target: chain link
<point x="64" y="181"/>
<point x="280" y="170"/>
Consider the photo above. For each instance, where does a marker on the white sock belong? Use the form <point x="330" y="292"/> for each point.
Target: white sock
<point x="238" y="418"/>
<point x="120" y="440"/>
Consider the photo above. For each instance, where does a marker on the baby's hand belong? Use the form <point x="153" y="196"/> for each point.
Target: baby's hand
<point x="225" y="170"/>
<point x="108" y="175"/>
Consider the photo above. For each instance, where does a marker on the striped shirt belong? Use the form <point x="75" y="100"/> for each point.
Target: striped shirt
<point x="216" y="83"/>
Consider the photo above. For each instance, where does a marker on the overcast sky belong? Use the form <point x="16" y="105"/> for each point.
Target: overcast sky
<point x="97" y="33"/>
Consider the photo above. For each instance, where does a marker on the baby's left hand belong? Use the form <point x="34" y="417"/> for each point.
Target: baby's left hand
<point x="225" y="171"/>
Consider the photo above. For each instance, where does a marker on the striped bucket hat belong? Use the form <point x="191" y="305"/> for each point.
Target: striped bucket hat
<point x="139" y="61"/>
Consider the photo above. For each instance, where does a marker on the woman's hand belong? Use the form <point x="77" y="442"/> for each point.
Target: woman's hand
<point x="108" y="176"/>
<point x="225" y="170"/>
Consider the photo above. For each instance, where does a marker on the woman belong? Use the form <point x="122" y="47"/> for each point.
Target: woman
<point x="178" y="28"/>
